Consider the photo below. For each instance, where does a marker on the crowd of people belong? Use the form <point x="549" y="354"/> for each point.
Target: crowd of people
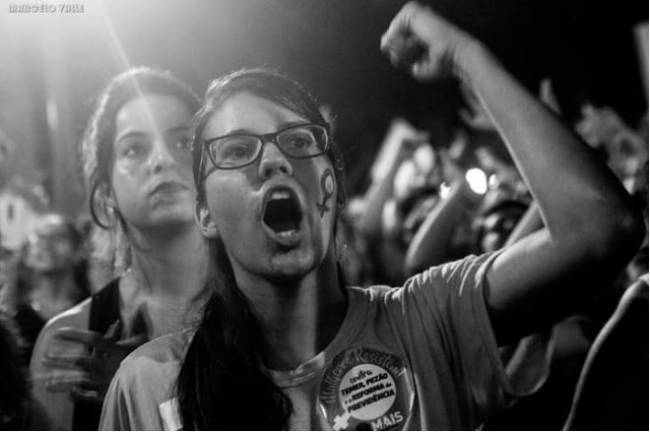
<point x="225" y="279"/>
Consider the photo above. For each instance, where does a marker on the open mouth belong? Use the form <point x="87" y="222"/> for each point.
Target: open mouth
<point x="282" y="213"/>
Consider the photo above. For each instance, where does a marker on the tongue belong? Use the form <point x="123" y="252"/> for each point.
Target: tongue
<point x="282" y="215"/>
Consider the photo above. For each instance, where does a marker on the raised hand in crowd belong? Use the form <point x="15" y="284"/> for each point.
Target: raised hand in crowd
<point x="591" y="229"/>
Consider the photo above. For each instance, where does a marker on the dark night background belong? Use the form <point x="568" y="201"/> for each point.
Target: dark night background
<point x="53" y="66"/>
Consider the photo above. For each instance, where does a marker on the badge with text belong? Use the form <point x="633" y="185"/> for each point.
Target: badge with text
<point x="365" y="389"/>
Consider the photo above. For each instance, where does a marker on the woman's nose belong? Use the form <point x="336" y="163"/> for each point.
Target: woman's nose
<point x="161" y="157"/>
<point x="273" y="162"/>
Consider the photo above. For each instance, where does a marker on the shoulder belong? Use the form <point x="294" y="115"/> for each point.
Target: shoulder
<point x="371" y="293"/>
<point x="634" y="301"/>
<point x="441" y="279"/>
<point x="57" y="405"/>
<point x="77" y="317"/>
<point x="157" y="358"/>
<point x="144" y="384"/>
<point x="455" y="276"/>
<point x="169" y="347"/>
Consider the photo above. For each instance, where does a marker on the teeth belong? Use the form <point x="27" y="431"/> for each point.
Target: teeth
<point x="280" y="195"/>
<point x="286" y="234"/>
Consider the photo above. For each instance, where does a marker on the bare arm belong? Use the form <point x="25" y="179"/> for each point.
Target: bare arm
<point x="530" y="222"/>
<point x="590" y="228"/>
<point x="375" y="199"/>
<point x="381" y="190"/>
<point x="429" y="245"/>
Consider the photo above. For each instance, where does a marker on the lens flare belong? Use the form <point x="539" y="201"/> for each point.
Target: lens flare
<point x="477" y="180"/>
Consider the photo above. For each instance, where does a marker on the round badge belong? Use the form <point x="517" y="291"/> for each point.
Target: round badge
<point x="365" y="389"/>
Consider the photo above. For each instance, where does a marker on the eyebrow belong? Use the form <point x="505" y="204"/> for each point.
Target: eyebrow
<point x="138" y="134"/>
<point x="244" y="131"/>
<point x="129" y="134"/>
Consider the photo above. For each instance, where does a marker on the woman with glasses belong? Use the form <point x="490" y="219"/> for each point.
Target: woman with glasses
<point x="285" y="344"/>
<point x="138" y="166"/>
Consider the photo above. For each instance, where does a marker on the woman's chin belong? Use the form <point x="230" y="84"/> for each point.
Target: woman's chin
<point x="293" y="264"/>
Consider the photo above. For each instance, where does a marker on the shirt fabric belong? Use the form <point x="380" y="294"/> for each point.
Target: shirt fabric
<point x="421" y="356"/>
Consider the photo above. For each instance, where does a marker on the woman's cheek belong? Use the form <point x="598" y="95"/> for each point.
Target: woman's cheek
<point x="226" y="202"/>
<point x="327" y="188"/>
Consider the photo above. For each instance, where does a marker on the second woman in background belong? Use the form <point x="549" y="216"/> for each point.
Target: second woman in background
<point x="137" y="166"/>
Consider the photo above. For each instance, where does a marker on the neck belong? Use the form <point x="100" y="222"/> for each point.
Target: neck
<point x="300" y="318"/>
<point x="172" y="263"/>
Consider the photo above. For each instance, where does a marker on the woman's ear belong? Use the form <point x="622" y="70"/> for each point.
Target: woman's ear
<point x="204" y="221"/>
<point x="109" y="199"/>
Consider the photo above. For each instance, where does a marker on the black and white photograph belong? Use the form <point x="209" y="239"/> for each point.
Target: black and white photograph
<point x="324" y="215"/>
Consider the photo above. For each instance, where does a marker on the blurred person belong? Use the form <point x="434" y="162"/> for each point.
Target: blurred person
<point x="46" y="278"/>
<point x="415" y="193"/>
<point x="571" y="339"/>
<point x="54" y="256"/>
<point x="397" y="219"/>
<point x="20" y="204"/>
<point x="444" y="232"/>
<point x="612" y="393"/>
<point x="397" y="176"/>
<point x="625" y="148"/>
<point x="137" y="165"/>
<point x="498" y="217"/>
<point x="284" y="334"/>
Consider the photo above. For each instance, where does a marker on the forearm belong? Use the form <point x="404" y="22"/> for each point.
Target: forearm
<point x="378" y="194"/>
<point x="573" y="189"/>
<point x="530" y="222"/>
<point x="430" y="243"/>
<point x="590" y="227"/>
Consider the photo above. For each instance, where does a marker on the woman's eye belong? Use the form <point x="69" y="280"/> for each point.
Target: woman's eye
<point x="183" y="143"/>
<point x="133" y="149"/>
<point x="239" y="151"/>
<point x="299" y="142"/>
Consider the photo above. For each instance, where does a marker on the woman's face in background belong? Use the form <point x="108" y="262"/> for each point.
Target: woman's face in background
<point x="276" y="215"/>
<point x="49" y="247"/>
<point x="417" y="172"/>
<point x="152" y="174"/>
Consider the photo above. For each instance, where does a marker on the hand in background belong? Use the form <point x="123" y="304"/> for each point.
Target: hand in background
<point x="97" y="368"/>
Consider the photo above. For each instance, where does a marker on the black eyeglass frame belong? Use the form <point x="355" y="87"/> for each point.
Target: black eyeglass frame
<point x="263" y="139"/>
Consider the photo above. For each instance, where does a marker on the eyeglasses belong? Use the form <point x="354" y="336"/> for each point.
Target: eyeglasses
<point x="239" y="150"/>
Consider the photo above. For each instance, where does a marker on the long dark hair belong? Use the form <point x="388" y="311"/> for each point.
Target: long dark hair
<point x="223" y="382"/>
<point x="97" y="152"/>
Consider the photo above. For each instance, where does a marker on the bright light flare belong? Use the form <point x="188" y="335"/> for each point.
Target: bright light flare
<point x="477" y="180"/>
<point x="445" y="190"/>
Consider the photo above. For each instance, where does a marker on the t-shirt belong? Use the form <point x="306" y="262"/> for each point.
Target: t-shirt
<point x="420" y="356"/>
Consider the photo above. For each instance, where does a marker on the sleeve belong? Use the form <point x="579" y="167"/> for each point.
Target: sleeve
<point x="133" y="398"/>
<point x="447" y="305"/>
<point x="115" y="412"/>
